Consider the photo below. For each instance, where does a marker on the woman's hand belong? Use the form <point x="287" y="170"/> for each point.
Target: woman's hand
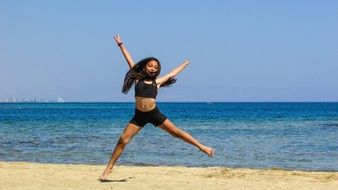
<point x="118" y="39"/>
<point x="186" y="62"/>
<point x="125" y="53"/>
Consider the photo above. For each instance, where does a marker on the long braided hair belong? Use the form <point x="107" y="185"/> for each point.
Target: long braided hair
<point x="137" y="73"/>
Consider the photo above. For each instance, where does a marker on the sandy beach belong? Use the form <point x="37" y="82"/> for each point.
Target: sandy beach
<point x="23" y="175"/>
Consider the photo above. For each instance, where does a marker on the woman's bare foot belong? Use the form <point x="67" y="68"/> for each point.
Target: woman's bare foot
<point x="207" y="150"/>
<point x="105" y="174"/>
<point x="103" y="177"/>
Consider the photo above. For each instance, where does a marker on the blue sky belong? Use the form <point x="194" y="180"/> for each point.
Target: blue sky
<point x="240" y="50"/>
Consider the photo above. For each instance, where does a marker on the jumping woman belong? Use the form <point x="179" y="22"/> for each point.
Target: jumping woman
<point x="144" y="75"/>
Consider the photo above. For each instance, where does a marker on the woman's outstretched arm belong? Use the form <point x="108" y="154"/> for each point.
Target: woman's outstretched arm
<point x="172" y="73"/>
<point x="124" y="51"/>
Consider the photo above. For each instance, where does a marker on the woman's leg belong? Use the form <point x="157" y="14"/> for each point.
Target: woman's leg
<point x="126" y="136"/>
<point x="178" y="133"/>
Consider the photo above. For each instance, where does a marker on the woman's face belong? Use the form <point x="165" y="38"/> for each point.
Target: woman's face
<point x="151" y="68"/>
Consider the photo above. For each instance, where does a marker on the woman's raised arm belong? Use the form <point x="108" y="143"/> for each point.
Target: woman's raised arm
<point x="172" y="73"/>
<point x="124" y="51"/>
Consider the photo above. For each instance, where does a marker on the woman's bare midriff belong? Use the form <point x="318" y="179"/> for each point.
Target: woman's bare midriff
<point x="145" y="104"/>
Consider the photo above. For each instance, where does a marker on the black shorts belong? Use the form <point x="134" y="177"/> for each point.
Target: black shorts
<point x="153" y="116"/>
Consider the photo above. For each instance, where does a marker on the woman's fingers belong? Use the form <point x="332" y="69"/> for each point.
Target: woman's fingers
<point x="187" y="62"/>
<point x="117" y="38"/>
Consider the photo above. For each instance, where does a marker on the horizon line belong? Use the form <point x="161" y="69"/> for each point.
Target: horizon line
<point x="182" y="102"/>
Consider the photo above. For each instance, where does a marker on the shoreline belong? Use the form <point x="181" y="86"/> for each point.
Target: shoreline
<point x="30" y="175"/>
<point x="183" y="166"/>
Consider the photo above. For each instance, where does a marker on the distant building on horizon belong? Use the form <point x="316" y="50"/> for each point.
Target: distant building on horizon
<point x="60" y="100"/>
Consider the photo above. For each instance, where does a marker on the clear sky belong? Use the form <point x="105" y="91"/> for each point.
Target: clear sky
<point x="240" y="50"/>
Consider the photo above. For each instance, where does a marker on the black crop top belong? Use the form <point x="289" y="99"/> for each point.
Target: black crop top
<point x="145" y="90"/>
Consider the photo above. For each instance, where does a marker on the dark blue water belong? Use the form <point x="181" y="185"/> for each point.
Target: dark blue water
<point x="302" y="136"/>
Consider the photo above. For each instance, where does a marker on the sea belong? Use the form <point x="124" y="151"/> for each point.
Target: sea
<point x="292" y="136"/>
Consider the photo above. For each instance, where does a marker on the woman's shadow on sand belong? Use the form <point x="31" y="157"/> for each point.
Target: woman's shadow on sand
<point x="114" y="180"/>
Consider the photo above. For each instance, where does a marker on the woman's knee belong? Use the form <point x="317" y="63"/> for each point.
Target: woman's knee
<point x="123" y="140"/>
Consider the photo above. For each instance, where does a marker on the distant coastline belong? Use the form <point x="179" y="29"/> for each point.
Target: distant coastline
<point x="30" y="100"/>
<point x="206" y="102"/>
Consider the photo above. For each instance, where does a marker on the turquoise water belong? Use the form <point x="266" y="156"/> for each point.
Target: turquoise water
<point x="301" y="136"/>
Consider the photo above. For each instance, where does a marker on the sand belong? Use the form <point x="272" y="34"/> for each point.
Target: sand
<point x="35" y="176"/>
